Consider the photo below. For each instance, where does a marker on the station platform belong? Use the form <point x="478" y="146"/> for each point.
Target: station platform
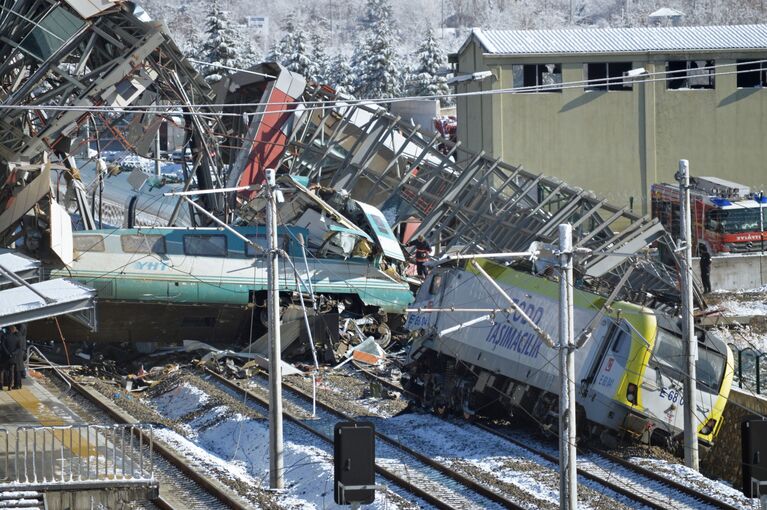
<point x="50" y="457"/>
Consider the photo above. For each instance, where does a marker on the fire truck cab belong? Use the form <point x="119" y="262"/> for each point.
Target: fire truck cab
<point x="727" y="218"/>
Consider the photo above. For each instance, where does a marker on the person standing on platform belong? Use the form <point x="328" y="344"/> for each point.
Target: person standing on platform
<point x="422" y="252"/>
<point x="705" y="270"/>
<point x="5" y="360"/>
<point x="16" y="347"/>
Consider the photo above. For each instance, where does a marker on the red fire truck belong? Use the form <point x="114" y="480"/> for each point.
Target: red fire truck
<point x="726" y="216"/>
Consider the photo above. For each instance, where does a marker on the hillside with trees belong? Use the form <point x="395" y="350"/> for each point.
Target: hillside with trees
<point x="390" y="48"/>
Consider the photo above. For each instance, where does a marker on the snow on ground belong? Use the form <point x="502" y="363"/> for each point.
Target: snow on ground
<point x="226" y="442"/>
<point x="223" y="441"/>
<point x="733" y="307"/>
<point x="681" y="473"/>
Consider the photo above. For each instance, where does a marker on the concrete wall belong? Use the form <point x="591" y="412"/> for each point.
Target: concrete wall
<point x="723" y="461"/>
<point x="617" y="143"/>
<point x="736" y="272"/>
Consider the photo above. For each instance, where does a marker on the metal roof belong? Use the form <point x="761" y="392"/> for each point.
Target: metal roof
<point x="622" y="40"/>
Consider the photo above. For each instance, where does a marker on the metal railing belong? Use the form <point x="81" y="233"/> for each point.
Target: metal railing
<point x="749" y="364"/>
<point x="77" y="453"/>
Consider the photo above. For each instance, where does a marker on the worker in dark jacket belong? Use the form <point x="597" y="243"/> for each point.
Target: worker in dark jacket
<point x="422" y="252"/>
<point x="5" y="360"/>
<point x="705" y="270"/>
<point x="15" y="345"/>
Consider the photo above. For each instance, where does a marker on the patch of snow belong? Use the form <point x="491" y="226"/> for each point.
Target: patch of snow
<point x="733" y="307"/>
<point x="180" y="401"/>
<point x="222" y="441"/>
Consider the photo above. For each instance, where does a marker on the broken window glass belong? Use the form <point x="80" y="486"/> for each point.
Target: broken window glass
<point x="51" y="33"/>
<point x="537" y="77"/>
<point x="690" y="74"/>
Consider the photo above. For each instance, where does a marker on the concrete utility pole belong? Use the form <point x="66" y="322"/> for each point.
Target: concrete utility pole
<point x="568" y="484"/>
<point x="276" y="464"/>
<point x="688" y="327"/>
<point x="157" y="171"/>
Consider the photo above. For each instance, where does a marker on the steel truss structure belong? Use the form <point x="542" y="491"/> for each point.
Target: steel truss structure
<point x="470" y="202"/>
<point x="73" y="53"/>
<point x="66" y="63"/>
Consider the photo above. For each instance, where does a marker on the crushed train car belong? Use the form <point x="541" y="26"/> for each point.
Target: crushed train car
<point x="165" y="285"/>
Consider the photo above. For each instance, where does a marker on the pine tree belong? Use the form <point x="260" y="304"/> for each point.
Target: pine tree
<point x="292" y="50"/>
<point x="427" y="78"/>
<point x="219" y="46"/>
<point x="375" y="62"/>
<point x="341" y="76"/>
<point x="320" y="60"/>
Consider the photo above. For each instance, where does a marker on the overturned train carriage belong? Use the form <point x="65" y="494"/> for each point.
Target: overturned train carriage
<point x="629" y="375"/>
<point x="171" y="284"/>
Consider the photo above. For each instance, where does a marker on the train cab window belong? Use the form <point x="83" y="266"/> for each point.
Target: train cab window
<point x="669" y="351"/>
<point x="141" y="243"/>
<point x="205" y="245"/>
<point x="709" y="368"/>
<point x="83" y="244"/>
<point x="436" y="284"/>
<point x="620" y="336"/>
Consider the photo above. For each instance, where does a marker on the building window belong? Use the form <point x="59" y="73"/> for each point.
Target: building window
<point x="690" y="74"/>
<point x="537" y="77"/>
<point x="607" y="76"/>
<point x="205" y="245"/>
<point x="752" y="74"/>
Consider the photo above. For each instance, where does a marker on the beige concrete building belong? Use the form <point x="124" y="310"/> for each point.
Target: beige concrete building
<point x="613" y="110"/>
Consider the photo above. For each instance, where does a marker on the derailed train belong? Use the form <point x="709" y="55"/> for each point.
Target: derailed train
<point x="629" y="375"/>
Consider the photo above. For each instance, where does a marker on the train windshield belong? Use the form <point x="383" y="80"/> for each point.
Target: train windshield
<point x="669" y="351"/>
<point x="733" y="221"/>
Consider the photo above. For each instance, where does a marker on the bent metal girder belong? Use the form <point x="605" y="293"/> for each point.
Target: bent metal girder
<point x="472" y="202"/>
<point x="60" y="60"/>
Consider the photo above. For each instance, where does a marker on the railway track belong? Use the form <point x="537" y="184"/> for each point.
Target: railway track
<point x="641" y="484"/>
<point x="425" y="478"/>
<point x="181" y="486"/>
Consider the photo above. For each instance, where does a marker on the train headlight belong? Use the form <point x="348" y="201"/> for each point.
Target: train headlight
<point x="631" y="393"/>
<point x="708" y="428"/>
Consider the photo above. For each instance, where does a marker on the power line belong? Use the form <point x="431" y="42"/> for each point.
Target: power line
<point x="313" y="105"/>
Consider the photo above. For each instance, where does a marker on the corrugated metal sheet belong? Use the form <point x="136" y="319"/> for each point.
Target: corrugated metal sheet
<point x="622" y="40"/>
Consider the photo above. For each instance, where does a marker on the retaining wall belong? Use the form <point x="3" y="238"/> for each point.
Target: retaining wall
<point x="736" y="272"/>
<point x="723" y="461"/>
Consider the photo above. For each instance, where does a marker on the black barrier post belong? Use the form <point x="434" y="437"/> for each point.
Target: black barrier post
<point x="754" y="456"/>
<point x="354" y="463"/>
<point x="740" y="368"/>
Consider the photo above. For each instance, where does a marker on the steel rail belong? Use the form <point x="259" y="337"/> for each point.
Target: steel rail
<point x="685" y="489"/>
<point x="167" y="453"/>
<point x="424" y="494"/>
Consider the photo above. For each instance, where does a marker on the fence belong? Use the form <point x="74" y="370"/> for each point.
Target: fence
<point x="76" y="453"/>
<point x="749" y="367"/>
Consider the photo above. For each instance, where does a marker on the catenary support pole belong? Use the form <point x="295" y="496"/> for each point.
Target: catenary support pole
<point x="568" y="485"/>
<point x="276" y="464"/>
<point x="688" y="327"/>
<point x="157" y="170"/>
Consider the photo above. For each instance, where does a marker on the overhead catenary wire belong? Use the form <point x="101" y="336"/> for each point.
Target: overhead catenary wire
<point x="314" y="105"/>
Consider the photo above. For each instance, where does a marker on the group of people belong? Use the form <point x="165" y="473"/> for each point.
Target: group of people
<point x="13" y="347"/>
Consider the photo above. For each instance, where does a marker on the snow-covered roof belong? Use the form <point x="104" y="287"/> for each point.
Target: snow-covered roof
<point x="665" y="12"/>
<point x="620" y="40"/>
